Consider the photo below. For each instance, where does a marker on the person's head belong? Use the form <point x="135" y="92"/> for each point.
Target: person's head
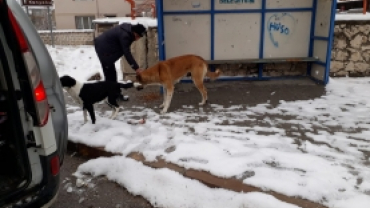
<point x="139" y="31"/>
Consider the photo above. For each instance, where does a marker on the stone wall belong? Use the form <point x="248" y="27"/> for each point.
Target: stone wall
<point x="351" y="49"/>
<point x="152" y="44"/>
<point x="145" y="52"/>
<point x="68" y="37"/>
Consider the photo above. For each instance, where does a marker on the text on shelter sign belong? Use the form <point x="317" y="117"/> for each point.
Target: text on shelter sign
<point x="37" y="2"/>
<point x="235" y="1"/>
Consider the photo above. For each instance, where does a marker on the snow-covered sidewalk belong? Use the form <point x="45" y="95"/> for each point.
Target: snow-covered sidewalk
<point x="314" y="149"/>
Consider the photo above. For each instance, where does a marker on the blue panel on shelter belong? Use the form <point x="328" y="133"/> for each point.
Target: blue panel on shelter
<point x="234" y="33"/>
<point x="287" y="34"/>
<point x="188" y="34"/>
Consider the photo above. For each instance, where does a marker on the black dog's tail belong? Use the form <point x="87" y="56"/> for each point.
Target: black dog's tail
<point x="130" y="84"/>
<point x="126" y="85"/>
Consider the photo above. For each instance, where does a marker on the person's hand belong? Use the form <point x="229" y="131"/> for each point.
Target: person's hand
<point x="138" y="71"/>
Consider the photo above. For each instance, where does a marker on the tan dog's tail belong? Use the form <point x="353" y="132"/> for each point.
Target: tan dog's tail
<point x="214" y="75"/>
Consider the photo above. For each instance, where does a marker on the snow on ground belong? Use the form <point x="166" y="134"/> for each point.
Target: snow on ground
<point x="330" y="167"/>
<point x="175" y="190"/>
<point x="80" y="62"/>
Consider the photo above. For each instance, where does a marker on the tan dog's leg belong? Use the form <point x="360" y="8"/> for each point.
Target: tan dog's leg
<point x="164" y="97"/>
<point x="202" y="90"/>
<point x="168" y="98"/>
<point x="198" y="82"/>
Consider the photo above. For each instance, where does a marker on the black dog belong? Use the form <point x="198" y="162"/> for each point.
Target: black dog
<point x="87" y="94"/>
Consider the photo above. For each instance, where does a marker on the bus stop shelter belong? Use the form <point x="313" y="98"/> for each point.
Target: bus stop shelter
<point x="250" y="31"/>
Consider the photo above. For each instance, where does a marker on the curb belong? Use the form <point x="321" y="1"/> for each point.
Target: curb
<point x="202" y="176"/>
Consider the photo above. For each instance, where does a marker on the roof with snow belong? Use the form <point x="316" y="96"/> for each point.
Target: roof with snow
<point x="146" y="21"/>
<point x="352" y="17"/>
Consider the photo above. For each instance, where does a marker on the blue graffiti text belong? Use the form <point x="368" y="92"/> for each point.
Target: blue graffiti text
<point x="274" y="26"/>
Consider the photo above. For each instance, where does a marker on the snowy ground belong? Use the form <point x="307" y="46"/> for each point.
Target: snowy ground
<point x="331" y="167"/>
<point x="80" y="62"/>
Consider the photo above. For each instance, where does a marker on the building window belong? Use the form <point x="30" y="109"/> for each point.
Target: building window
<point x="84" y="22"/>
<point x="110" y="15"/>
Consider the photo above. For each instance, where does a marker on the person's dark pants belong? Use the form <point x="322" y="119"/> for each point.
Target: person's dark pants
<point x="107" y="62"/>
<point x="109" y="71"/>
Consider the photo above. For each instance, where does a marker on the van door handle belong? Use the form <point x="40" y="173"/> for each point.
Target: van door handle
<point x="30" y="142"/>
<point x="52" y="108"/>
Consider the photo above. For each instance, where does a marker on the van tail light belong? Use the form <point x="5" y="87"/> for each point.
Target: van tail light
<point x="41" y="104"/>
<point x="54" y="165"/>
<point x="39" y="93"/>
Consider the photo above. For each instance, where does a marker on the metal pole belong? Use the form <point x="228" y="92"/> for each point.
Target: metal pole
<point x="51" y="27"/>
<point x="364" y="7"/>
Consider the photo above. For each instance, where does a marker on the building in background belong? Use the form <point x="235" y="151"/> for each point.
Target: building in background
<point x="352" y="6"/>
<point x="144" y="8"/>
<point x="79" y="14"/>
<point x="39" y="16"/>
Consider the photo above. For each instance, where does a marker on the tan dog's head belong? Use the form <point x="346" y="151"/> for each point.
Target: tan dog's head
<point x="148" y="76"/>
<point x="139" y="78"/>
<point x="144" y="77"/>
<point x="138" y="84"/>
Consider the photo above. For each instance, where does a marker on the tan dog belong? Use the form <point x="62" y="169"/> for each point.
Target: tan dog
<point x="168" y="73"/>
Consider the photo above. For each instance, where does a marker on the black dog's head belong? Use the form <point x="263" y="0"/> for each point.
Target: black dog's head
<point x="67" y="81"/>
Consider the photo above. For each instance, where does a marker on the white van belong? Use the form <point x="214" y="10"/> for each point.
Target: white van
<point x="33" y="122"/>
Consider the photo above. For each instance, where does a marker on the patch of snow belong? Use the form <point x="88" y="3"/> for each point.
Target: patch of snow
<point x="80" y="62"/>
<point x="166" y="188"/>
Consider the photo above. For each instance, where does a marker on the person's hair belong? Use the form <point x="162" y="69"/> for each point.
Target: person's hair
<point x="138" y="29"/>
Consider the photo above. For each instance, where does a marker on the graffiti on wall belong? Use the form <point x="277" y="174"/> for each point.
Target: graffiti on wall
<point x="280" y="27"/>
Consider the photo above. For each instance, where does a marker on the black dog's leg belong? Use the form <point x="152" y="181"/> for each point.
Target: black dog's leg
<point x="90" y="108"/>
<point x="85" y="114"/>
<point x="112" y="100"/>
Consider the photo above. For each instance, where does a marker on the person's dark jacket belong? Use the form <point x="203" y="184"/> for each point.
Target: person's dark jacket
<point x="115" y="43"/>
